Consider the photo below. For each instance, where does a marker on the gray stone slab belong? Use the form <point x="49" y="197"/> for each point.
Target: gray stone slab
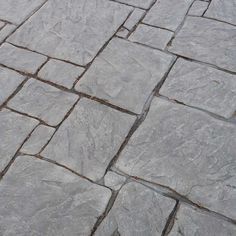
<point x="74" y="30"/>
<point x="198" y="8"/>
<point x="14" y="129"/>
<point x="113" y="180"/>
<point x="2" y="24"/>
<point x="168" y="14"/>
<point x="43" y="101"/>
<point x="89" y="138"/>
<point x="137" y="211"/>
<point x="5" y="31"/>
<point x="207" y="41"/>
<point x="151" y="36"/>
<point x="134" y="18"/>
<point x="189" y="221"/>
<point x="43" y="199"/>
<point x="9" y="81"/>
<point x="61" y="73"/>
<point x="125" y="74"/>
<point x="201" y="86"/>
<point x="222" y="10"/>
<point x="138" y="3"/>
<point x="123" y="32"/>
<point x="20" y="59"/>
<point x="188" y="151"/>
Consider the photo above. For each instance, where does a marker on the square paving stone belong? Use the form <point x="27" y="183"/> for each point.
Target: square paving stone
<point x="14" y="129"/>
<point x="43" y="199"/>
<point x="89" y="138"/>
<point x="188" y="151"/>
<point x="201" y="86"/>
<point x="43" y="101"/>
<point x="138" y="3"/>
<point x="137" y="211"/>
<point x="198" y="8"/>
<point x="207" y="41"/>
<point x="74" y="30"/>
<point x="125" y="74"/>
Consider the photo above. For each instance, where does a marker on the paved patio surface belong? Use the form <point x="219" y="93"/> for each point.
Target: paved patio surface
<point x="118" y="117"/>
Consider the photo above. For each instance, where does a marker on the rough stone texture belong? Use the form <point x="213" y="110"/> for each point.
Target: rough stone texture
<point x="222" y="10"/>
<point x="168" y="14"/>
<point x="2" y="24"/>
<point x="201" y="86"/>
<point x="123" y="32"/>
<point x="5" y="31"/>
<point x="137" y="211"/>
<point x="43" y="101"/>
<point x="9" y="81"/>
<point x="134" y="18"/>
<point x="188" y="151"/>
<point x="113" y="180"/>
<point x="138" y="3"/>
<point x="89" y="138"/>
<point x="125" y="74"/>
<point x="60" y="73"/>
<point x="198" y="8"/>
<point x="20" y="59"/>
<point x="40" y="136"/>
<point x="40" y="198"/>
<point x="151" y="36"/>
<point x="74" y="30"/>
<point x="208" y="41"/>
<point x="188" y="221"/>
<point x="14" y="129"/>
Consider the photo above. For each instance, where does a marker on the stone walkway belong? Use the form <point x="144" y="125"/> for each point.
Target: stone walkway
<point x="117" y="117"/>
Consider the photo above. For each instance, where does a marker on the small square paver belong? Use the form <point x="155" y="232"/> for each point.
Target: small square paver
<point x="89" y="138"/>
<point x="138" y="3"/>
<point x="134" y="18"/>
<point x="198" y="8"/>
<point x="125" y="74"/>
<point x="43" y="101"/>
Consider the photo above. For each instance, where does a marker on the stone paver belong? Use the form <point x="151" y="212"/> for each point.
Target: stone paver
<point x="198" y="8"/>
<point x="138" y="3"/>
<point x="134" y="18"/>
<point x="40" y="198"/>
<point x="2" y="24"/>
<point x="5" y="31"/>
<point x="123" y="32"/>
<point x="113" y="180"/>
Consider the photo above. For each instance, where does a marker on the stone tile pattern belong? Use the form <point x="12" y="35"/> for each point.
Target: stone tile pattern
<point x="198" y="8"/>
<point x="138" y="3"/>
<point x="134" y="18"/>
<point x="113" y="180"/>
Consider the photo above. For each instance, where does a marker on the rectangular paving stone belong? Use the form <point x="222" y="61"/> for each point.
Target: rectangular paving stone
<point x="61" y="73"/>
<point x="125" y="74"/>
<point x="89" y="138"/>
<point x="5" y="31"/>
<point x="41" y="198"/>
<point x="198" y="8"/>
<point x="137" y="211"/>
<point x="201" y="86"/>
<point x="134" y="18"/>
<point x="207" y="41"/>
<point x="151" y="36"/>
<point x="43" y="101"/>
<point x="74" y="31"/>
<point x="168" y="14"/>
<point x="14" y="129"/>
<point x="20" y="59"/>
<point x="188" y="151"/>
<point x="138" y="3"/>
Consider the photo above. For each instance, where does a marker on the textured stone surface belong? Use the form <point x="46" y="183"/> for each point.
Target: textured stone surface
<point x="40" y="136"/>
<point x="123" y="32"/>
<point x="2" y="24"/>
<point x="60" y="73"/>
<point x="14" y="129"/>
<point x="9" y="81"/>
<point x="201" y="86"/>
<point x="125" y="74"/>
<point x="5" y="31"/>
<point x="134" y="18"/>
<point x="188" y="221"/>
<point x="20" y="59"/>
<point x="113" y="180"/>
<point x="168" y="14"/>
<point x="137" y="211"/>
<point x="74" y="30"/>
<point x="138" y="3"/>
<point x="208" y="41"/>
<point x="43" y="101"/>
<point x="188" y="151"/>
<point x="40" y="198"/>
<point x="89" y="138"/>
<point x="151" y="36"/>
<point x="198" y="8"/>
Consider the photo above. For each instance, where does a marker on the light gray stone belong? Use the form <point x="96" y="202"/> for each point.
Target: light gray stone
<point x="198" y="8"/>
<point x="43" y="101"/>
<point x="89" y="138"/>
<point x="208" y="41"/>
<point x="14" y="129"/>
<point x="137" y="211"/>
<point x="9" y="81"/>
<point x="74" y="30"/>
<point x="222" y="10"/>
<point x="42" y="199"/>
<point x="60" y="73"/>
<point x="5" y="31"/>
<point x="20" y="59"/>
<point x="113" y="180"/>
<point x="125" y="74"/>
<point x="134" y="18"/>
<point x="123" y="32"/>
<point x="168" y="14"/>
<point x="201" y="86"/>
<point x="151" y="36"/>
<point x="40" y="136"/>
<point x="189" y="221"/>
<point x="2" y="24"/>
<point x="138" y="3"/>
<point x="188" y="151"/>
